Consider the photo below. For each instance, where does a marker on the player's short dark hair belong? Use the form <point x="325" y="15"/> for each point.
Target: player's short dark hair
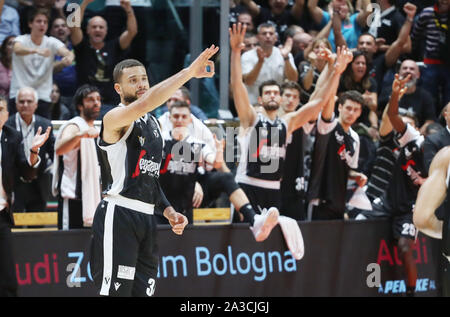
<point x="81" y="93"/>
<point x="266" y="25"/>
<point x="180" y="104"/>
<point x="352" y="95"/>
<point x="185" y="92"/>
<point x="269" y="82"/>
<point x="36" y="11"/>
<point x="290" y="85"/>
<point x="368" y="34"/>
<point x="127" y="63"/>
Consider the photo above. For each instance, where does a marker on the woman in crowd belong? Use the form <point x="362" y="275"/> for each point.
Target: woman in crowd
<point x="310" y="69"/>
<point x="5" y="65"/>
<point x="356" y="77"/>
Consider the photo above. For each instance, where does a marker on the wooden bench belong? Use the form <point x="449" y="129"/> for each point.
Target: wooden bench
<point x="212" y="216"/>
<point x="44" y="220"/>
<point x="49" y="220"/>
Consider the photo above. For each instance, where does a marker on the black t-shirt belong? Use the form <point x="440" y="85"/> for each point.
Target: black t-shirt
<point x="390" y="26"/>
<point x="96" y="67"/>
<point x="420" y="102"/>
<point x="179" y="172"/>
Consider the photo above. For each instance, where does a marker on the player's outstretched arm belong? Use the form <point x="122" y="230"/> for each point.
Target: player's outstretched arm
<point x="121" y="117"/>
<point x="431" y="195"/>
<point x="245" y="110"/>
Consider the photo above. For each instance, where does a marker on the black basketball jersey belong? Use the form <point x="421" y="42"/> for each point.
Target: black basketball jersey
<point x="263" y="151"/>
<point x="130" y="167"/>
<point x="335" y="153"/>
<point x="179" y="171"/>
<point x="297" y="162"/>
<point x="401" y="193"/>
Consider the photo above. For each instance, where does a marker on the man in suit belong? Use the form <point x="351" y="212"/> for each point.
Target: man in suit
<point x="32" y="196"/>
<point x="13" y="163"/>
<point x="438" y="140"/>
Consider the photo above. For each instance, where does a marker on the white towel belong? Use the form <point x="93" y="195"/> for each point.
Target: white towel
<point x="90" y="180"/>
<point x="360" y="200"/>
<point x="90" y="172"/>
<point x="292" y="236"/>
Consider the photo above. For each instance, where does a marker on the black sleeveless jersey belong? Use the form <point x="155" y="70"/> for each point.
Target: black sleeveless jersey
<point x="263" y="151"/>
<point x="130" y="167"/>
<point x="297" y="164"/>
<point x="401" y="193"/>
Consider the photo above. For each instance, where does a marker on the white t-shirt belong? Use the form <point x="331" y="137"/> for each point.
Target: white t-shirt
<point x="272" y="68"/>
<point x="34" y="70"/>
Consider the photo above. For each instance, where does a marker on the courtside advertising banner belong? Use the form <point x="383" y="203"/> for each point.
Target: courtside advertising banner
<point x="342" y="258"/>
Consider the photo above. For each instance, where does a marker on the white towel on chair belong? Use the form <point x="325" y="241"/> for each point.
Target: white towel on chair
<point x="292" y="236"/>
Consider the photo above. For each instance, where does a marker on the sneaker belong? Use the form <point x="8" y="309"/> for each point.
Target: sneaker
<point x="264" y="223"/>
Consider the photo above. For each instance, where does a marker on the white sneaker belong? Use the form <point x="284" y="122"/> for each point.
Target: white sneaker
<point x="264" y="223"/>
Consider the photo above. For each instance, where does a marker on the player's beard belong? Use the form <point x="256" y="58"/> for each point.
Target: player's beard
<point x="90" y="114"/>
<point x="271" y="106"/>
<point x="129" y="98"/>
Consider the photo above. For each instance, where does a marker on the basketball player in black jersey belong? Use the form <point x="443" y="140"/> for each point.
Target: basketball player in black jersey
<point x="263" y="135"/>
<point x="432" y="194"/>
<point x="294" y="183"/>
<point x="124" y="261"/>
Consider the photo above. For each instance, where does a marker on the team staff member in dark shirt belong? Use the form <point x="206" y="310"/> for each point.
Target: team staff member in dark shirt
<point x="13" y="162"/>
<point x="183" y="155"/>
<point x="123" y="258"/>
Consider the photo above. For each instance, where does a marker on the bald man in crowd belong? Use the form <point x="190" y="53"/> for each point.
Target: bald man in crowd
<point x="96" y="57"/>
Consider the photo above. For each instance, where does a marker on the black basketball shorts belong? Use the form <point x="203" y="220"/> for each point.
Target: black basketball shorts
<point x="124" y="259"/>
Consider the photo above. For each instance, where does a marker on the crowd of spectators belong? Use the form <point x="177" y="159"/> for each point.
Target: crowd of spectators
<point x="47" y="53"/>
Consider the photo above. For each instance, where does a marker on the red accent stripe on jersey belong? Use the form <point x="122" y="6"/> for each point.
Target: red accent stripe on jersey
<point x="164" y="170"/>
<point x="137" y="171"/>
<point x="341" y="149"/>
<point x="410" y="162"/>
<point x="261" y="144"/>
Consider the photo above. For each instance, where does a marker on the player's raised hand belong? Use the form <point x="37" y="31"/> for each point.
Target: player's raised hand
<point x="237" y="34"/>
<point x="398" y="85"/>
<point x="202" y="66"/>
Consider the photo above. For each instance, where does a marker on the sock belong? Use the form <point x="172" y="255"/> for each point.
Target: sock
<point x="248" y="212"/>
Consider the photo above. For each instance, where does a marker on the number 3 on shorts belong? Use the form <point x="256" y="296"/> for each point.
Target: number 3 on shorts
<point x="409" y="229"/>
<point x="151" y="288"/>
